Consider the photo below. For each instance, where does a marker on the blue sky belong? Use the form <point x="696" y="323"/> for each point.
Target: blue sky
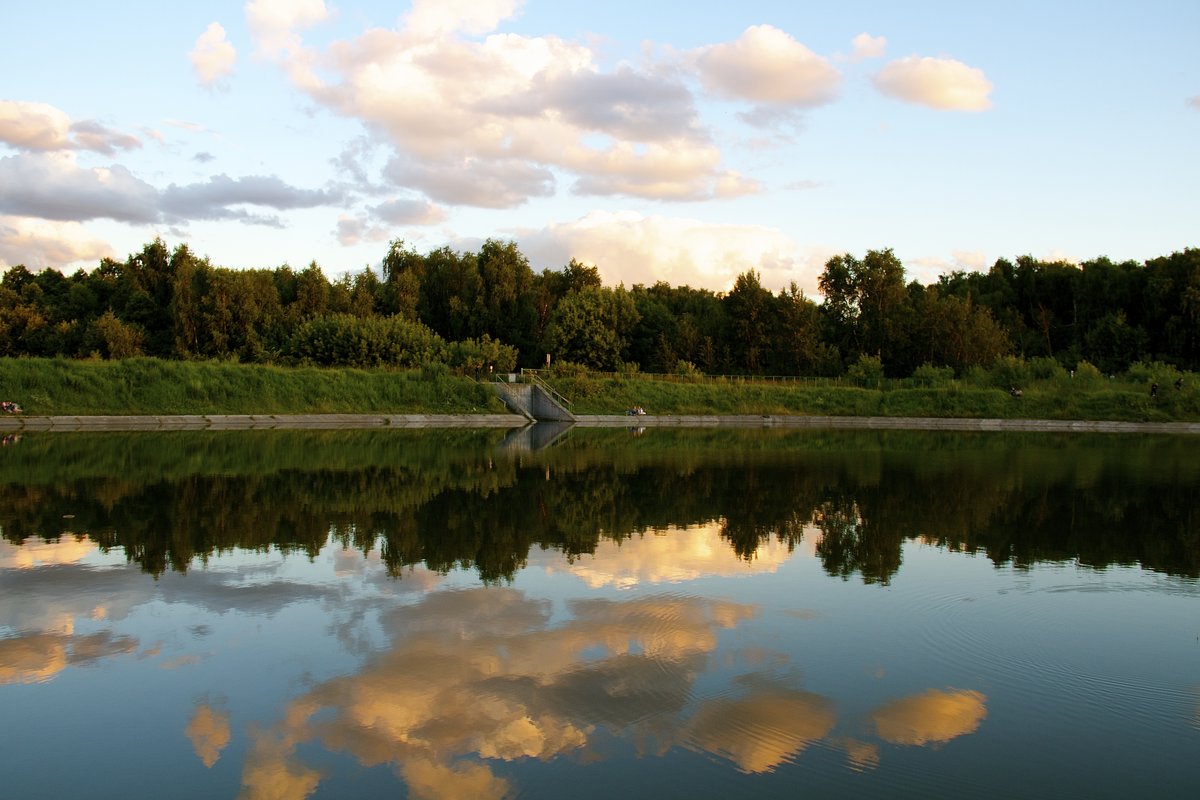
<point x="657" y="140"/>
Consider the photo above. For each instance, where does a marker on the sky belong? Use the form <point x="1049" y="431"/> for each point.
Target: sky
<point x="656" y="140"/>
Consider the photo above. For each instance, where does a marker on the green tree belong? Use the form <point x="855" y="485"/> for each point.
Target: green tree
<point x="592" y="327"/>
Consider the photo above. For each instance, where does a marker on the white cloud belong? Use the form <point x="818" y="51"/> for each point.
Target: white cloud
<point x="440" y="17"/>
<point x="409" y="212"/>
<point x="868" y="46"/>
<point x="33" y="126"/>
<point x="38" y="244"/>
<point x="939" y="83"/>
<point x="767" y="65"/>
<point x="1194" y="102"/>
<point x="213" y="56"/>
<point x="630" y="248"/>
<point x="38" y="126"/>
<point x="275" y="23"/>
<point x="487" y="122"/>
<point x="378" y="224"/>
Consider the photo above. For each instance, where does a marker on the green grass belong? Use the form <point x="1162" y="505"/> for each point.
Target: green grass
<point x="1051" y="399"/>
<point x="152" y="386"/>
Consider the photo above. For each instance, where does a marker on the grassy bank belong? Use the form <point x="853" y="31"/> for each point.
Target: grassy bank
<point x="151" y="386"/>
<point x="1077" y="400"/>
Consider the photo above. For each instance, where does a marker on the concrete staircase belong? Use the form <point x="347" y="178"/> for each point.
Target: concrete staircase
<point x="532" y="402"/>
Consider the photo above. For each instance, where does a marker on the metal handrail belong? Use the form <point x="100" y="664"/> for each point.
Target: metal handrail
<point x="531" y="376"/>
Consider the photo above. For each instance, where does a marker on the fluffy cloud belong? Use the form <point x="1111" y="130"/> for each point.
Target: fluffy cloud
<point x="209" y="732"/>
<point x="669" y="556"/>
<point x="473" y="17"/>
<point x="275" y="23"/>
<point x="631" y="248"/>
<point x="409" y="212"/>
<point x="766" y="65"/>
<point x="213" y="57"/>
<point x="53" y="186"/>
<point x="931" y="717"/>
<point x="485" y="675"/>
<point x="868" y="46"/>
<point x="40" y="243"/>
<point x="487" y="122"/>
<point x="38" y="657"/>
<point x="38" y="126"/>
<point x="379" y="221"/>
<point x="939" y="83"/>
<point x="763" y="730"/>
<point x="486" y="183"/>
<point x="220" y="196"/>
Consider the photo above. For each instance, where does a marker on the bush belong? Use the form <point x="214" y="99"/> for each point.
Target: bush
<point x="344" y="340"/>
<point x="1044" y="368"/>
<point x="929" y="375"/>
<point x="866" y="372"/>
<point x="1009" y="372"/>
<point x="686" y="369"/>
<point x="1087" y="376"/>
<point x="1154" y="372"/>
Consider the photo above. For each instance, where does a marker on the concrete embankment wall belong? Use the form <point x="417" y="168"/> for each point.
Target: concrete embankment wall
<point x="187" y="422"/>
<point x="883" y="423"/>
<point x="14" y="424"/>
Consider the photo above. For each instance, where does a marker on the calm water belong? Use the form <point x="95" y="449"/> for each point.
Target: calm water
<point x="674" y="614"/>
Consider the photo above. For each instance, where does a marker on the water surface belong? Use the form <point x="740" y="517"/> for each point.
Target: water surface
<point x="709" y="613"/>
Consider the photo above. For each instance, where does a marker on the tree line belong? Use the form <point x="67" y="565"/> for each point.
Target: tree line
<point x="469" y="310"/>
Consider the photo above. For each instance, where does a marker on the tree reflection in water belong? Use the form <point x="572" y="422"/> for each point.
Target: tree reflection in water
<point x="448" y="499"/>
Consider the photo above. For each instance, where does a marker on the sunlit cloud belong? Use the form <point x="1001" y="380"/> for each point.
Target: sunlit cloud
<point x="939" y="83"/>
<point x="933" y="717"/>
<point x="672" y="555"/>
<point x="759" y="732"/>
<point x="38" y="126"/>
<point x="272" y="772"/>
<point x="35" y="553"/>
<point x="38" y="244"/>
<point x="767" y="65"/>
<point x="511" y="110"/>
<point x="1194" y="102"/>
<point x="275" y="24"/>
<point x="631" y="248"/>
<point x="32" y="658"/>
<point x="208" y="730"/>
<point x="867" y="46"/>
<point x="213" y="57"/>
<point x="486" y="674"/>
<point x="432" y="18"/>
<point x="38" y="657"/>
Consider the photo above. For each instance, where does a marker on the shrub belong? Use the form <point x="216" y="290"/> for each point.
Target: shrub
<point x="866" y="372"/>
<point x="344" y="340"/>
<point x="929" y="375"/>
<point x="1087" y="376"/>
<point x="1154" y="372"/>
<point x="1044" y="368"/>
<point x="1009" y="372"/>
